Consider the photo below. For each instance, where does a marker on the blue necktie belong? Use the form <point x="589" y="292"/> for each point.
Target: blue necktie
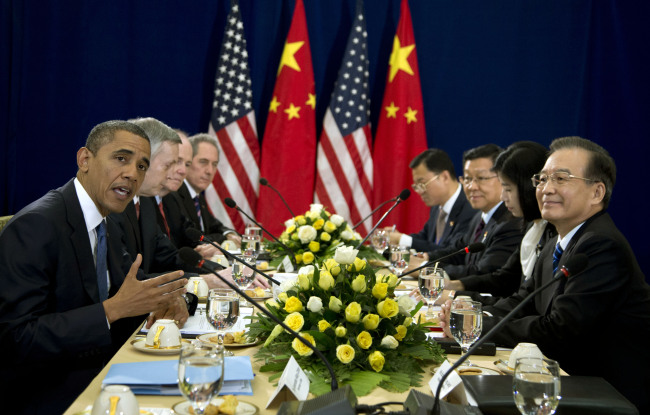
<point x="557" y="254"/>
<point x="100" y="263"/>
<point x="197" y="205"/>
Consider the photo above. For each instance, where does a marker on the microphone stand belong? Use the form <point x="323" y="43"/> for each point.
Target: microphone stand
<point x="265" y="182"/>
<point x="397" y="202"/>
<point x="373" y="212"/>
<point x="473" y="248"/>
<point x="193" y="258"/>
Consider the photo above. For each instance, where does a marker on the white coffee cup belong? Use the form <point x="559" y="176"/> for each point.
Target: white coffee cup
<point x="523" y="350"/>
<point x="164" y="334"/>
<point x="197" y="286"/>
<point x="115" y="400"/>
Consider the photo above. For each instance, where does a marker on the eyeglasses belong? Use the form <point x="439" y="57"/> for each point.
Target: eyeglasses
<point x="421" y="187"/>
<point x="478" y="180"/>
<point x="558" y="178"/>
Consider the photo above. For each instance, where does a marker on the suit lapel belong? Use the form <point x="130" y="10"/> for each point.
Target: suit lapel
<point x="453" y="216"/>
<point x="188" y="204"/>
<point x="132" y="218"/>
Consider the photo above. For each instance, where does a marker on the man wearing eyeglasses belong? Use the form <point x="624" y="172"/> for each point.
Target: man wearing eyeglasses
<point x="434" y="179"/>
<point x="567" y="320"/>
<point x="492" y="225"/>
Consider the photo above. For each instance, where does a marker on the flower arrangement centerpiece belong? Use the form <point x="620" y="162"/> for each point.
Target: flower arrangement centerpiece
<point x="349" y="312"/>
<point x="314" y="237"/>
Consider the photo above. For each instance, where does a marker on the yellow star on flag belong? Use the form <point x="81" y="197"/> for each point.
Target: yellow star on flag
<point x="292" y="111"/>
<point x="288" y="56"/>
<point x="399" y="59"/>
<point x="391" y="110"/>
<point x="410" y="115"/>
<point x="311" y="101"/>
<point x="274" y="105"/>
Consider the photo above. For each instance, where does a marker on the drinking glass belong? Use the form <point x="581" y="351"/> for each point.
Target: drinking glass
<point x="200" y="373"/>
<point x="222" y="310"/>
<point x="431" y="282"/>
<point x="241" y="274"/>
<point x="252" y="239"/>
<point x="536" y="385"/>
<point x="466" y="323"/>
<point x="399" y="259"/>
<point x="379" y="240"/>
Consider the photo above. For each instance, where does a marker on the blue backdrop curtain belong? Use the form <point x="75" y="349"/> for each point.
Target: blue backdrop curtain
<point x="491" y="71"/>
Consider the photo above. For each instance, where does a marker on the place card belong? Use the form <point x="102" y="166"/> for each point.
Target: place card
<point x="293" y="382"/>
<point x="286" y="264"/>
<point x="451" y="382"/>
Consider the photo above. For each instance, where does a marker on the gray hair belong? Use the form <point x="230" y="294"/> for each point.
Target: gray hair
<point x="196" y="139"/>
<point x="103" y="133"/>
<point x="158" y="133"/>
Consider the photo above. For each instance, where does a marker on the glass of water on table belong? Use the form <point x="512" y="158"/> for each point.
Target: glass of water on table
<point x="536" y="385"/>
<point x="200" y="373"/>
<point x="222" y="311"/>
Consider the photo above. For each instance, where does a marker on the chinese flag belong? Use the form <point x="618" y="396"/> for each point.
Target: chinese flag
<point x="289" y="143"/>
<point x="400" y="132"/>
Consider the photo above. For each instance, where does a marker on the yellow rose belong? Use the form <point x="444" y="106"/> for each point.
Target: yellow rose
<point x="325" y="237"/>
<point x="300" y="347"/>
<point x="295" y="321"/>
<point x="325" y="280"/>
<point x="332" y="266"/>
<point x="376" y="360"/>
<point x="318" y="224"/>
<point x="323" y="325"/>
<point x="345" y="353"/>
<point x="308" y="257"/>
<point x="364" y="340"/>
<point x="283" y="297"/>
<point x="392" y="280"/>
<point x="293" y="304"/>
<point x="314" y="246"/>
<point x="303" y="282"/>
<point x="335" y="304"/>
<point x="401" y="332"/>
<point x="329" y="227"/>
<point x="359" y="284"/>
<point x="358" y="265"/>
<point x="370" y="321"/>
<point x="388" y="308"/>
<point x="353" y="312"/>
<point x="298" y="258"/>
<point x="408" y="321"/>
<point x="295" y="237"/>
<point x="340" y="331"/>
<point x="380" y="290"/>
<point x="291" y="229"/>
<point x="301" y="220"/>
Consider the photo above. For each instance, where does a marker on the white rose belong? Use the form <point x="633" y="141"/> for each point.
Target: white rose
<point x="306" y="270"/>
<point x="345" y="255"/>
<point x="337" y="220"/>
<point x="289" y="223"/>
<point x="306" y="234"/>
<point x="315" y="304"/>
<point x="347" y="235"/>
<point x="389" y="342"/>
<point x="288" y="284"/>
<point x="357" y="236"/>
<point x="315" y="207"/>
<point x="406" y="304"/>
<point x="313" y="215"/>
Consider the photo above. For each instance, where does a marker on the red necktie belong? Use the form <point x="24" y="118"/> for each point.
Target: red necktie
<point x="479" y="230"/>
<point x="164" y="218"/>
<point x="137" y="210"/>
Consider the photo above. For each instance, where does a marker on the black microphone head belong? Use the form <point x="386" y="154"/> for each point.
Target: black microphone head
<point x="475" y="247"/>
<point x="263" y="181"/>
<point x="404" y="194"/>
<point x="189" y="256"/>
<point x="194" y="234"/>
<point x="576" y="264"/>
<point x="230" y="203"/>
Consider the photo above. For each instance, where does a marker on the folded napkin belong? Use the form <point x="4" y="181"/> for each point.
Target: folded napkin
<point x="161" y="377"/>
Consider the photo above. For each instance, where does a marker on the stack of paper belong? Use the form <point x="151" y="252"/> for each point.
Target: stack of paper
<point x="161" y="377"/>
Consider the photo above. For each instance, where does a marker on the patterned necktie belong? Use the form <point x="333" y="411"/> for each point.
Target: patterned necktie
<point x="197" y="205"/>
<point x="479" y="231"/>
<point x="557" y="254"/>
<point x="164" y="218"/>
<point x="440" y="224"/>
<point x="100" y="262"/>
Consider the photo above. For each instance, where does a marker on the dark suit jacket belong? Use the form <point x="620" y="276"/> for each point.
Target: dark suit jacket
<point x="53" y="329"/>
<point x="501" y="236"/>
<point x="214" y="229"/>
<point x="176" y="220"/>
<point x="575" y="320"/>
<point x="457" y="225"/>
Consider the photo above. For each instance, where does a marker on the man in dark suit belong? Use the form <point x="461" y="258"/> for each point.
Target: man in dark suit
<point x="493" y="225"/>
<point x="434" y="179"/>
<point x="571" y="319"/>
<point x="65" y="302"/>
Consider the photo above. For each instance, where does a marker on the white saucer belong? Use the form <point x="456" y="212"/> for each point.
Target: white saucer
<point x="140" y="345"/>
<point x="205" y="338"/>
<point x="244" y="408"/>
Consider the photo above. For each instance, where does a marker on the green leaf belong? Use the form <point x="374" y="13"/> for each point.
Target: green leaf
<point x="398" y="382"/>
<point x="363" y="382"/>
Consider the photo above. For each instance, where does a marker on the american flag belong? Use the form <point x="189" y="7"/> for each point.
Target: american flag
<point x="344" y="160"/>
<point x="233" y="123"/>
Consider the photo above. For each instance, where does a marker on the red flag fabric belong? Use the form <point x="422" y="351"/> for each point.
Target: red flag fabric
<point x="233" y="124"/>
<point x="400" y="131"/>
<point x="344" y="160"/>
<point x="289" y="144"/>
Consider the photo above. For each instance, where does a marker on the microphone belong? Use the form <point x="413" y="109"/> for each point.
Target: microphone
<point x="265" y="182"/>
<point x="573" y="266"/>
<point x="469" y="249"/>
<point x="231" y="204"/>
<point x="196" y="235"/>
<point x="193" y="258"/>
<point x="404" y="194"/>
<point x="373" y="212"/>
